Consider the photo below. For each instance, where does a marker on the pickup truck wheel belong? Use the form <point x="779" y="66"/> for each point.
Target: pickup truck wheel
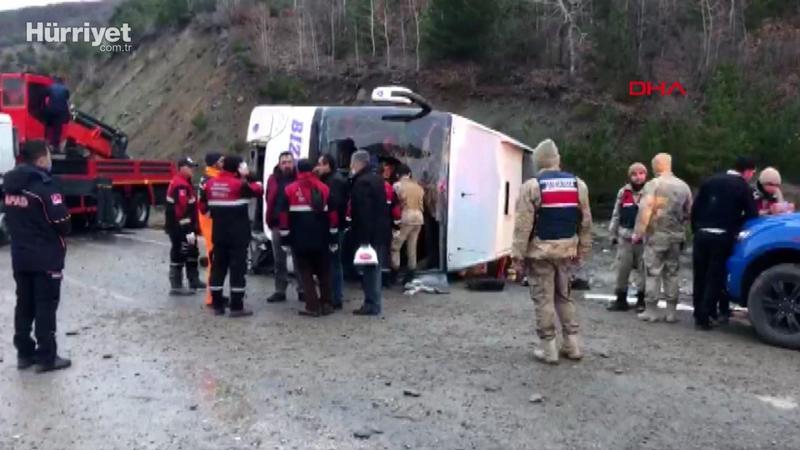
<point x="774" y="305"/>
<point x="139" y="211"/>
<point x="120" y="211"/>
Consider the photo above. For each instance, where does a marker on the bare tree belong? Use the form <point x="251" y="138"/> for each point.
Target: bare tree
<point x="569" y="11"/>
<point x="386" y="34"/>
<point x="333" y="31"/>
<point x="372" y="26"/>
<point x="263" y="34"/>
<point x="298" y="9"/>
<point x="415" y="11"/>
<point x="403" y="33"/>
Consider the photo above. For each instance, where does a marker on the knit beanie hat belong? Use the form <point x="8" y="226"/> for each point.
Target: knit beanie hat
<point x="546" y="155"/>
<point x="636" y="167"/>
<point x="770" y="176"/>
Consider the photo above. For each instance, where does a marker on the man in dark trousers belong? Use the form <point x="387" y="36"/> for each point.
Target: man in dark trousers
<point x="337" y="184"/>
<point x="180" y="223"/>
<point x="57" y="111"/>
<point x="370" y="225"/>
<point x="227" y="197"/>
<point x="283" y="175"/>
<point x="37" y="220"/>
<point x="723" y="203"/>
<point x="309" y="225"/>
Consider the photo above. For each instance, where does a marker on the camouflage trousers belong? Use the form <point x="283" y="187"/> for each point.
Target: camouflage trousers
<point x="662" y="261"/>
<point x="549" y="281"/>
<point x="630" y="258"/>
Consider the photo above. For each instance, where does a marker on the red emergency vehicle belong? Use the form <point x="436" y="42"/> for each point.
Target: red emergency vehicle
<point x="99" y="181"/>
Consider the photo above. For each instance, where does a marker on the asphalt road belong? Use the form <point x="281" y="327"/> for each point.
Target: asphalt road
<point x="435" y="372"/>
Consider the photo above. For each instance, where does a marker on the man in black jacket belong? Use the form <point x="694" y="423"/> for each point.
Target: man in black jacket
<point x="723" y="203"/>
<point x="370" y="225"/>
<point x="337" y="185"/>
<point x="38" y="219"/>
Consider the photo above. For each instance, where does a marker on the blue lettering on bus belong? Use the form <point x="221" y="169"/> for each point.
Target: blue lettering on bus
<point x="296" y="138"/>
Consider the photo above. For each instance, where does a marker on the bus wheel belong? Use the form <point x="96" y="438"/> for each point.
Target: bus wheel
<point x="138" y="211"/>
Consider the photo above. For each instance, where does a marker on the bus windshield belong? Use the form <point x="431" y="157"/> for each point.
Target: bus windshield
<point x="422" y="144"/>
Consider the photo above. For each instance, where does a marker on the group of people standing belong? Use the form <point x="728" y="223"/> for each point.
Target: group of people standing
<point x="661" y="210"/>
<point x="308" y="206"/>
<point x="649" y="227"/>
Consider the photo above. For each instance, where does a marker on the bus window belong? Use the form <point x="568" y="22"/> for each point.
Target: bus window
<point x="13" y="92"/>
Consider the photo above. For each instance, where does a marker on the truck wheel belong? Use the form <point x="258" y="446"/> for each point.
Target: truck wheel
<point x="120" y="211"/>
<point x="139" y="211"/>
<point x="774" y="305"/>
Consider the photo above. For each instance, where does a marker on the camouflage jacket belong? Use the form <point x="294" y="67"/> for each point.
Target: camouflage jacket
<point x="664" y="210"/>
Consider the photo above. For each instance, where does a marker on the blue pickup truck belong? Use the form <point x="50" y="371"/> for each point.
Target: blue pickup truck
<point x="764" y="276"/>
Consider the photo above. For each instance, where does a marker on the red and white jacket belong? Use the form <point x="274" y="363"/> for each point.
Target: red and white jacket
<point x="307" y="222"/>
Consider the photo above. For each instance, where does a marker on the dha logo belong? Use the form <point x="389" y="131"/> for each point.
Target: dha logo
<point x="106" y="39"/>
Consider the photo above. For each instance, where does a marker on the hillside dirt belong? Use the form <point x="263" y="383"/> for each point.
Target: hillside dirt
<point x="434" y="372"/>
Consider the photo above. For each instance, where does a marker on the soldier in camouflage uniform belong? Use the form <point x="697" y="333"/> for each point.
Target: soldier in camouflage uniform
<point x="629" y="255"/>
<point x="552" y="233"/>
<point x="661" y="223"/>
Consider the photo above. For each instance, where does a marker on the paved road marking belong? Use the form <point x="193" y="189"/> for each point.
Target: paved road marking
<point x="605" y="298"/>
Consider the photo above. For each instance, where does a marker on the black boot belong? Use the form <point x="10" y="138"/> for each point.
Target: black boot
<point x="24" y="362"/>
<point x="409" y="277"/>
<point x="193" y="275"/>
<point x="278" y="297"/>
<point x="218" y="303"/>
<point x="57" y="363"/>
<point x="237" y="306"/>
<point x="176" y="282"/>
<point x="640" y="302"/>
<point x="621" y="303"/>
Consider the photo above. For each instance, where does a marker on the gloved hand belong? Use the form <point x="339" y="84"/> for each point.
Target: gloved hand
<point x="395" y="233"/>
<point x="614" y="241"/>
<point x="191" y="238"/>
<point x="334" y="248"/>
<point x="285" y="248"/>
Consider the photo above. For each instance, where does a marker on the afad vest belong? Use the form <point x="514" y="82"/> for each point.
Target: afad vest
<point x="628" y="209"/>
<point x="559" y="212"/>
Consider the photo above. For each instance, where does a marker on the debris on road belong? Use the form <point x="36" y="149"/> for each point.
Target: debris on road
<point x="536" y="398"/>
<point x="108" y="356"/>
<point x="366" y="433"/>
<point x="72" y="333"/>
<point x="411" y="393"/>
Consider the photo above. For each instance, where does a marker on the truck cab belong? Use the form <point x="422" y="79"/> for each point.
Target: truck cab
<point x="764" y="276"/>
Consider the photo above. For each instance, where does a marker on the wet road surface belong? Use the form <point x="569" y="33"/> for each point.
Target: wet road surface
<point x="155" y="372"/>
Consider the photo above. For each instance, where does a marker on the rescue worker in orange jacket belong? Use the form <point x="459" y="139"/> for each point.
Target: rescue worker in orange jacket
<point x="181" y="226"/>
<point x="227" y="198"/>
<point x="213" y="168"/>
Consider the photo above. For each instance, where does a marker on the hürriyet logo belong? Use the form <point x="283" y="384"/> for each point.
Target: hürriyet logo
<point x="105" y="39"/>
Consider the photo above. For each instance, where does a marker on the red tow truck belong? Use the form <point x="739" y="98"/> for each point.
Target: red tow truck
<point x="101" y="184"/>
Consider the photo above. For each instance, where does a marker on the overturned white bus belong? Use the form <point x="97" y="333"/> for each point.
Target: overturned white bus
<point x="471" y="174"/>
